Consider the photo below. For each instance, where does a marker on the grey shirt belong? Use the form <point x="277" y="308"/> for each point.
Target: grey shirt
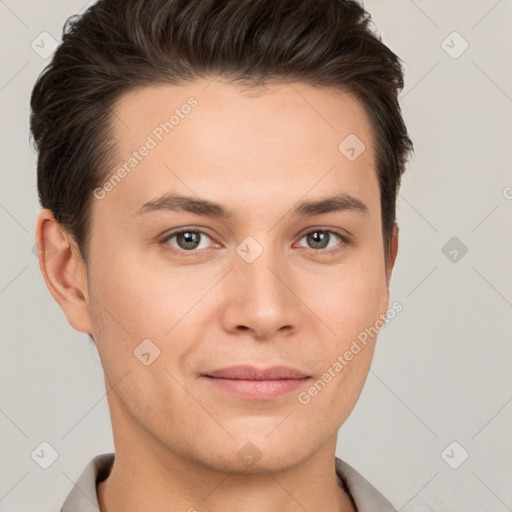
<point x="83" y="496"/>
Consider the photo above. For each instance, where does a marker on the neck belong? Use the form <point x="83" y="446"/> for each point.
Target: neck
<point x="141" y="480"/>
<point x="134" y="492"/>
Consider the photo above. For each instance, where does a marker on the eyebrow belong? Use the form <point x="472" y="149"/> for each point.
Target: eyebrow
<point x="175" y="202"/>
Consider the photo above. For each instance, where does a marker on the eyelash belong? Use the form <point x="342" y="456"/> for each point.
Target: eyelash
<point x="345" y="241"/>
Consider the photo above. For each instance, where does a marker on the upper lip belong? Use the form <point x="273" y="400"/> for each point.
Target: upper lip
<point x="247" y="372"/>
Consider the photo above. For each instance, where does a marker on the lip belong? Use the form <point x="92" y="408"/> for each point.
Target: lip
<point x="252" y="383"/>
<point x="248" y="372"/>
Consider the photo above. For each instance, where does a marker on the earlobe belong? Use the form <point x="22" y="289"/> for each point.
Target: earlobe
<point x="63" y="270"/>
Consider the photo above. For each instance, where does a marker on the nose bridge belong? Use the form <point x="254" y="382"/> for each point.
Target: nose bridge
<point x="258" y="296"/>
<point x="258" y="265"/>
<point x="262" y="276"/>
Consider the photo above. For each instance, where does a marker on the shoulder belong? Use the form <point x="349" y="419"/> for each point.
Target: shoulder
<point x="83" y="496"/>
<point x="366" y="497"/>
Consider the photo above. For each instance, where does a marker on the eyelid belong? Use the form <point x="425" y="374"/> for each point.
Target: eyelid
<point x="343" y="233"/>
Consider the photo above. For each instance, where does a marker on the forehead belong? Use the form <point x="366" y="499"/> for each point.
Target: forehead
<point x="209" y="138"/>
<point x="299" y="107"/>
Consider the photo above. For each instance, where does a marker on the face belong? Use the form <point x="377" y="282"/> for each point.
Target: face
<point x="177" y="291"/>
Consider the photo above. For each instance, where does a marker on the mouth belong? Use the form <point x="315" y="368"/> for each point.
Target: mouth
<point x="253" y="383"/>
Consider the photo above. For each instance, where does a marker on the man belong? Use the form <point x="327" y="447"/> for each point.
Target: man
<point x="218" y="183"/>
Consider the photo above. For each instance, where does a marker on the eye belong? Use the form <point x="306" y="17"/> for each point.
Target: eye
<point x="186" y="240"/>
<point x="324" y="241"/>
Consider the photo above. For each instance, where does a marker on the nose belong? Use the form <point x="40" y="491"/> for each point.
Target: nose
<point x="262" y="298"/>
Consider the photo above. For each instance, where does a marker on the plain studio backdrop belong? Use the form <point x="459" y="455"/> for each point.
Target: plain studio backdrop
<point x="432" y="427"/>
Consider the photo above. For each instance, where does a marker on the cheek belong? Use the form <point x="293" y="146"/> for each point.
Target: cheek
<point x="138" y="310"/>
<point x="349" y="301"/>
<point x="349" y="304"/>
<point x="335" y="392"/>
<point x="138" y="299"/>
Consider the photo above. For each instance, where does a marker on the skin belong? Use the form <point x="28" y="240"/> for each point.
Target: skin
<point x="257" y="152"/>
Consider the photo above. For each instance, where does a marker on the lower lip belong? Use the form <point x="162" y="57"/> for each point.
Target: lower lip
<point x="257" y="389"/>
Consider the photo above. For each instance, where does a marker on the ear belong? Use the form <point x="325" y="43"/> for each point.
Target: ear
<point x="392" y="258"/>
<point x="63" y="270"/>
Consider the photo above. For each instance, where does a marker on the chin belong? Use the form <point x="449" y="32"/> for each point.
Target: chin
<point x="260" y="453"/>
<point x="250" y="460"/>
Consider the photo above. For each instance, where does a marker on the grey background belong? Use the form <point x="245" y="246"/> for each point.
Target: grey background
<point x="441" y="372"/>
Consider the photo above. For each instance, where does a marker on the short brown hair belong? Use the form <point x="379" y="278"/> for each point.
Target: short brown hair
<point x="118" y="45"/>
